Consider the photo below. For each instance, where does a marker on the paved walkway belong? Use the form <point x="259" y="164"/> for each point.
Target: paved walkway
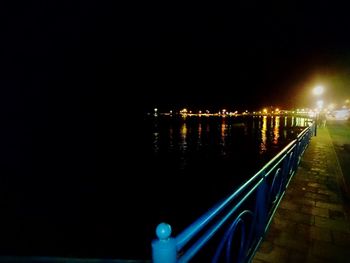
<point x="312" y="223"/>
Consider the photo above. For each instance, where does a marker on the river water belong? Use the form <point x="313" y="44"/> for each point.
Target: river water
<point x="106" y="202"/>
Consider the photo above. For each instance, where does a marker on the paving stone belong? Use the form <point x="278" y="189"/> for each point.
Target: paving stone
<point x="333" y="224"/>
<point x="292" y="242"/>
<point x="290" y="206"/>
<point x="305" y="201"/>
<point x="296" y="216"/>
<point x="317" y="197"/>
<point x="309" y="189"/>
<point x="296" y="256"/>
<point x="327" y="192"/>
<point x="316" y="211"/>
<point x="277" y="255"/>
<point x="330" y="251"/>
<point x="314" y="184"/>
<point x="332" y="206"/>
<point x="314" y="233"/>
<point x="341" y="239"/>
<point x="266" y="247"/>
<point x="283" y="224"/>
<point x="333" y="214"/>
<point x="314" y="259"/>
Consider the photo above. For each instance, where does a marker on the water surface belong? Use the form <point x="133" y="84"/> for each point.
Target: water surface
<point x="66" y="197"/>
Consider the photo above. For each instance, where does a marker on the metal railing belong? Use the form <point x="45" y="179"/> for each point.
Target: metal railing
<point x="232" y="230"/>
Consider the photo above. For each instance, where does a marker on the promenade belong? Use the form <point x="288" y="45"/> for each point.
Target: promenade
<point x="312" y="223"/>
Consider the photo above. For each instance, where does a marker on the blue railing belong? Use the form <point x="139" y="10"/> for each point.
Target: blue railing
<point x="232" y="230"/>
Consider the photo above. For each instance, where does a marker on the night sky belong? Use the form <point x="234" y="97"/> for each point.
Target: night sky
<point x="244" y="54"/>
<point x="142" y="55"/>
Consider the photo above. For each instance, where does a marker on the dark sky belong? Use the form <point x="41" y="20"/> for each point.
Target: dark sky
<point x="139" y="55"/>
<point x="244" y="54"/>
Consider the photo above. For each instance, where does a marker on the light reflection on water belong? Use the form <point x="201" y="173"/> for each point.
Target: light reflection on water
<point x="171" y="138"/>
<point x="263" y="147"/>
<point x="199" y="140"/>
<point x="156" y="142"/>
<point x="183" y="145"/>
<point x="184" y="134"/>
<point x="276" y="130"/>
<point x="223" y="137"/>
<point x="207" y="138"/>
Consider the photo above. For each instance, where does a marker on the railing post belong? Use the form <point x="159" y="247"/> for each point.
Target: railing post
<point x="315" y="128"/>
<point x="261" y="206"/>
<point x="164" y="247"/>
<point x="299" y="145"/>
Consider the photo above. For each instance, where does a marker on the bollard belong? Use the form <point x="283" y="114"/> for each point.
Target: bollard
<point x="164" y="248"/>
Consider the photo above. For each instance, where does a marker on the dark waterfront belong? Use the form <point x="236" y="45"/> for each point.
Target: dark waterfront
<point x="84" y="174"/>
<point x="159" y="169"/>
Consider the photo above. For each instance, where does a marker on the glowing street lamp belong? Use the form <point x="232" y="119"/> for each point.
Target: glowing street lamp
<point x="318" y="90"/>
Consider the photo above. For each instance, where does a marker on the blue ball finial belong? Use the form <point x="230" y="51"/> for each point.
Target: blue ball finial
<point x="163" y="231"/>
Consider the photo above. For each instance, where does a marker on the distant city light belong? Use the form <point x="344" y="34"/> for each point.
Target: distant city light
<point x="331" y="106"/>
<point x="341" y="115"/>
<point x="268" y="111"/>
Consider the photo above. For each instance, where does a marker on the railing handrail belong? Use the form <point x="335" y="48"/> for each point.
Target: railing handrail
<point x="288" y="158"/>
<point x="197" y="225"/>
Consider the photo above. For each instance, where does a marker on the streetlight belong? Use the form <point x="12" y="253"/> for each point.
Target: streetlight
<point x="318" y="91"/>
